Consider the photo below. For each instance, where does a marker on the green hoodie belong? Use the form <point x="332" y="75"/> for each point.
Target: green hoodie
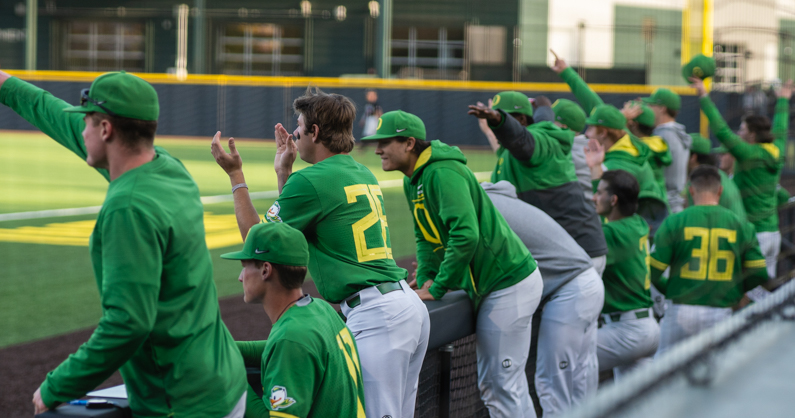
<point x="660" y="158"/>
<point x="462" y="240"/>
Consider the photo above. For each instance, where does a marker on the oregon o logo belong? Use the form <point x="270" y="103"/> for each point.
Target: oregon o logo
<point x="379" y="124"/>
<point x="698" y="72"/>
<point x="495" y="101"/>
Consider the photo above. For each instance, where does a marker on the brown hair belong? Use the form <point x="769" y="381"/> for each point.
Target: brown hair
<point x="334" y="115"/>
<point x="760" y="126"/>
<point x="290" y="277"/>
<point x="419" y="144"/>
<point x="615" y="134"/>
<point x="133" y="133"/>
<point x="705" y="178"/>
<point x="626" y="187"/>
<point x="671" y="112"/>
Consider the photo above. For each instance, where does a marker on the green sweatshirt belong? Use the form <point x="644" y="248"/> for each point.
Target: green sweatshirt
<point x="462" y="240"/>
<point x="161" y="326"/>
<point x="758" y="166"/>
<point x="660" y="158"/>
<point x="632" y="155"/>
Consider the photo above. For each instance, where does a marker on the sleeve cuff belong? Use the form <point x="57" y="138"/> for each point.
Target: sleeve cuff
<point x="659" y="265"/>
<point x="47" y="396"/>
<point x="755" y="264"/>
<point x="502" y="121"/>
<point x="8" y="86"/>
<point x="437" y="291"/>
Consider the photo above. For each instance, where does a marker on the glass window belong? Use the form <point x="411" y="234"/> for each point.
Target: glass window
<point x="260" y="49"/>
<point x="729" y="63"/>
<point x="427" y="52"/>
<point x="104" y="46"/>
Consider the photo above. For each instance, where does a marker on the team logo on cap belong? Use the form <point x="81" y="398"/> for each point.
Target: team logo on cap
<point x="698" y="72"/>
<point x="379" y="124"/>
<point x="495" y="101"/>
<point x="273" y="212"/>
<point x="279" y="398"/>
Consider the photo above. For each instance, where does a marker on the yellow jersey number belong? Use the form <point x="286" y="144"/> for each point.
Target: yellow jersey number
<point x="345" y="342"/>
<point x="359" y="227"/>
<point x="709" y="254"/>
<point x="644" y="246"/>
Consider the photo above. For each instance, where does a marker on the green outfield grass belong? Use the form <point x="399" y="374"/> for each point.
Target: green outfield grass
<point x="50" y="289"/>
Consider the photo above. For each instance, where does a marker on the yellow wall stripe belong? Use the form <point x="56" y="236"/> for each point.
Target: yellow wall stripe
<point x="329" y="82"/>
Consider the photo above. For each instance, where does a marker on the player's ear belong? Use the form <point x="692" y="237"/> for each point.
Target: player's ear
<point x="613" y="200"/>
<point x="315" y="133"/>
<point x="106" y="130"/>
<point x="720" y="190"/>
<point x="411" y="142"/>
<point x="266" y="272"/>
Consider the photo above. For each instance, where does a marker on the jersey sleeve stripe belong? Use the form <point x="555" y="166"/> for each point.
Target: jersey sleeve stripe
<point x="281" y="415"/>
<point x="754" y="264"/>
<point x="659" y="265"/>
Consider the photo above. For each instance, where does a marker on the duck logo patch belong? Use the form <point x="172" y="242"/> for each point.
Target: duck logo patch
<point x="279" y="399"/>
<point x="273" y="213"/>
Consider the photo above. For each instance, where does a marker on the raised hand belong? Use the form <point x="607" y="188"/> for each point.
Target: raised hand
<point x="560" y="63"/>
<point x="229" y="161"/>
<point x="698" y="84"/>
<point x="631" y="110"/>
<point x="481" y="111"/>
<point x="594" y="153"/>
<point x="286" y="150"/>
<point x="785" y="91"/>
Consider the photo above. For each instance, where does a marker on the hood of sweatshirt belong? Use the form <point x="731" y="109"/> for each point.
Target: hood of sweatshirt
<point x="563" y="136"/>
<point x="678" y="130"/>
<point x="503" y="187"/>
<point x="438" y="151"/>
<point x="629" y="148"/>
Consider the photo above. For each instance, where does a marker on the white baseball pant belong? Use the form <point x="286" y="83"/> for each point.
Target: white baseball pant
<point x="504" y="325"/>
<point x="770" y="244"/>
<point x="391" y="332"/>
<point x="627" y="343"/>
<point x="240" y="408"/>
<point x="567" y="369"/>
<point x="599" y="264"/>
<point x="683" y="321"/>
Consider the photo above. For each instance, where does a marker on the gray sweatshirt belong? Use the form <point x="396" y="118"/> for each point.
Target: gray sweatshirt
<point x="559" y="257"/>
<point x="581" y="167"/>
<point x="678" y="141"/>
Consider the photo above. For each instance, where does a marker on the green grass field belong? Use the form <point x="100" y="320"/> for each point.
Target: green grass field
<point x="50" y="289"/>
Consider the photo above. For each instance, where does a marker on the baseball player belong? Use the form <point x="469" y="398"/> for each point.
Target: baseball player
<point x="629" y="334"/>
<point x="666" y="104"/>
<point x="566" y="364"/>
<point x="640" y="122"/>
<point x="758" y="150"/>
<point x="714" y="259"/>
<point x="569" y="115"/>
<point x="150" y="260"/>
<point x="535" y="156"/>
<point x="700" y="155"/>
<point x="464" y="243"/>
<point x="309" y="363"/>
<point x="339" y="207"/>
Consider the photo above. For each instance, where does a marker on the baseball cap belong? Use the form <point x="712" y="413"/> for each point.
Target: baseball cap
<point x="701" y="66"/>
<point x="569" y="114"/>
<point x="646" y="117"/>
<point x="512" y="102"/>
<point x="664" y="97"/>
<point x="700" y="145"/>
<point x="119" y="94"/>
<point x="398" y="123"/>
<point x="275" y="242"/>
<point x="608" y="116"/>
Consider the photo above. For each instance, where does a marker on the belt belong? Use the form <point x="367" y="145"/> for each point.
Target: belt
<point x="384" y="288"/>
<point x="616" y="316"/>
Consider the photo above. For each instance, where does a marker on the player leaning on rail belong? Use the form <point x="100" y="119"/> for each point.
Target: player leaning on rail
<point x="150" y="259"/>
<point x="464" y="243"/>
<point x="338" y="205"/>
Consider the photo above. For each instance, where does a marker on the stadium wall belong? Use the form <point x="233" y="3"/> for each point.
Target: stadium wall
<point x="249" y="107"/>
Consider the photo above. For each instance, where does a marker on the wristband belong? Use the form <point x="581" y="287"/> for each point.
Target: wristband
<point x="238" y="186"/>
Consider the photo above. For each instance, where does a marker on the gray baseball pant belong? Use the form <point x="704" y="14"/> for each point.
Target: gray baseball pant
<point x="770" y="244"/>
<point x="628" y="343"/>
<point x="683" y="321"/>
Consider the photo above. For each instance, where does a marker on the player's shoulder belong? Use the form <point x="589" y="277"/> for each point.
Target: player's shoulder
<point x="309" y="325"/>
<point x="342" y="167"/>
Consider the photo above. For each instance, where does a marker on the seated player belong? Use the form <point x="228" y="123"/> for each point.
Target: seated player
<point x="714" y="258"/>
<point x="629" y="335"/>
<point x="758" y="149"/>
<point x="535" y="156"/>
<point x="566" y="365"/>
<point x="309" y="363"/>
<point x="464" y="243"/>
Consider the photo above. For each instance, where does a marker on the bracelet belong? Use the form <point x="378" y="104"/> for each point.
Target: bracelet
<point x="238" y="186"/>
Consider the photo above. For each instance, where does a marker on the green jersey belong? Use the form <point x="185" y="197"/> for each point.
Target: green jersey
<point x="462" y="240"/>
<point x="338" y="205"/>
<point x="626" y="276"/>
<point x="758" y="167"/>
<point x="730" y="199"/>
<point x="713" y="255"/>
<point x="309" y="366"/>
<point x="660" y="158"/>
<point x="153" y="271"/>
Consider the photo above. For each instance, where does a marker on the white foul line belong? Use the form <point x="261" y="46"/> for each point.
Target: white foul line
<point x="207" y="200"/>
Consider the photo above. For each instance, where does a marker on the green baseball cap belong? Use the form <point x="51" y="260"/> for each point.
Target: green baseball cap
<point x="608" y="116"/>
<point x="569" y="114"/>
<point x="398" y="123"/>
<point x="700" y="145"/>
<point x="664" y="97"/>
<point x="119" y="94"/>
<point x="512" y="102"/>
<point x="275" y="242"/>
<point x="646" y="117"/>
<point x="701" y="66"/>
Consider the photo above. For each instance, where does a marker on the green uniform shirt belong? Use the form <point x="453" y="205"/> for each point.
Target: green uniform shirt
<point x="626" y="276"/>
<point x="309" y="365"/>
<point x="713" y="255"/>
<point x="660" y="158"/>
<point x="758" y="166"/>
<point x="338" y="205"/>
<point x="153" y="271"/>
<point x="462" y="240"/>
<point x="730" y="199"/>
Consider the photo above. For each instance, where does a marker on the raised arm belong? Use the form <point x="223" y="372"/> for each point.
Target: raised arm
<point x="780" y="126"/>
<point x="232" y="164"/>
<point x="733" y="143"/>
<point x="44" y="111"/>
<point x="587" y="97"/>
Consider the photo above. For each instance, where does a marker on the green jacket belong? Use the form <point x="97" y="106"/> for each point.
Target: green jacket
<point x="660" y="158"/>
<point x="161" y="325"/>
<point x="632" y="155"/>
<point x="758" y="167"/>
<point x="462" y="240"/>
